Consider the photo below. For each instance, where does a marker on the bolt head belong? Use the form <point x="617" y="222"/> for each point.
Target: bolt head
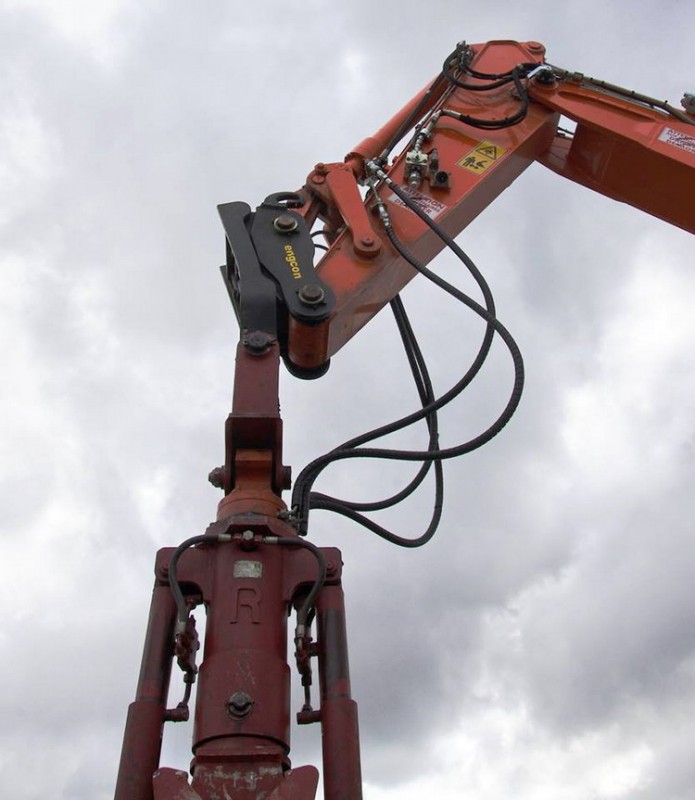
<point x="311" y="294"/>
<point x="285" y="223"/>
<point x="257" y="342"/>
<point x="239" y="704"/>
<point x="216" y="477"/>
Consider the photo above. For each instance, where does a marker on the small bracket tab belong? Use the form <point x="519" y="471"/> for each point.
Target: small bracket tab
<point x="251" y="291"/>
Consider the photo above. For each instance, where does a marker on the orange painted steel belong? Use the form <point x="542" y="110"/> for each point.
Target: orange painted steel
<point x="364" y="285"/>
<point x="621" y="148"/>
<point x="626" y="151"/>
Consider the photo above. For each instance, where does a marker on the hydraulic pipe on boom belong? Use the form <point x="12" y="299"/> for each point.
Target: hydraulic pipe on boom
<point x="494" y="109"/>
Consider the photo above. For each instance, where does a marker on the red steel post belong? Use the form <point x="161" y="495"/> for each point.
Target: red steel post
<point x="342" y="776"/>
<point x="241" y="737"/>
<point x="142" y="740"/>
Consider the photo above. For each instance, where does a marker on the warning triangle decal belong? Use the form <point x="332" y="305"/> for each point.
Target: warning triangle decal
<point x="487" y="150"/>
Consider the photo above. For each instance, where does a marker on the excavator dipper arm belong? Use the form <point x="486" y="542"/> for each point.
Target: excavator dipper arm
<point x="472" y="137"/>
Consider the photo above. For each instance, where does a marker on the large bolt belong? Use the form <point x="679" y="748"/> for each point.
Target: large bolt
<point x="248" y="541"/>
<point x="216" y="477"/>
<point x="544" y="76"/>
<point x="239" y="704"/>
<point x="257" y="342"/>
<point x="311" y="294"/>
<point x="285" y="223"/>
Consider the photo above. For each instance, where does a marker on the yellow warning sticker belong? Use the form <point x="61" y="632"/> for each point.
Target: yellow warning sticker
<point x="481" y="157"/>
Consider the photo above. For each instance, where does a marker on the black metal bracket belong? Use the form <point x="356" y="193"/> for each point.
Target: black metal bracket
<point x="269" y="271"/>
<point x="252" y="293"/>
<point x="286" y="251"/>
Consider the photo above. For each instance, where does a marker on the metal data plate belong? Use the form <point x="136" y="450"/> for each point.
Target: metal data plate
<point x="248" y="569"/>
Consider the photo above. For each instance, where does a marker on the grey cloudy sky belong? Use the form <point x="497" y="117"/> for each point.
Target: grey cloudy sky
<point x="542" y="647"/>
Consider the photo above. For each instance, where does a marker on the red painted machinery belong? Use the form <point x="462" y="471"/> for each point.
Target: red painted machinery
<point x="493" y="110"/>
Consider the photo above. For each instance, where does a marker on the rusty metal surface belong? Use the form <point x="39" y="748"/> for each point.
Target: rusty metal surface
<point x="241" y="735"/>
<point x="142" y="739"/>
<point x="342" y="776"/>
<point x="238" y="784"/>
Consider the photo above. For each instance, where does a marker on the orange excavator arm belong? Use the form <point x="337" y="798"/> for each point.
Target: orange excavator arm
<point x="495" y="109"/>
<point x="626" y="146"/>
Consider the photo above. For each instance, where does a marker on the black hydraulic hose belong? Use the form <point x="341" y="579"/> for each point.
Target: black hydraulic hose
<point x="413" y="117"/>
<point x="311" y="472"/>
<point x="181" y="608"/>
<point x="413" y="352"/>
<point x="494" y="81"/>
<point x="453" y="65"/>
<point x="300" y="497"/>
<point x="303" y="498"/>
<point x="499" y="328"/>
<point x="351" y="510"/>
<point x="489" y="301"/>
<point x="496" y="124"/>
<point x="478" y="87"/>
<point x="389" y="536"/>
<point x="453" y="61"/>
<point x="426" y="394"/>
<point x="292" y="541"/>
